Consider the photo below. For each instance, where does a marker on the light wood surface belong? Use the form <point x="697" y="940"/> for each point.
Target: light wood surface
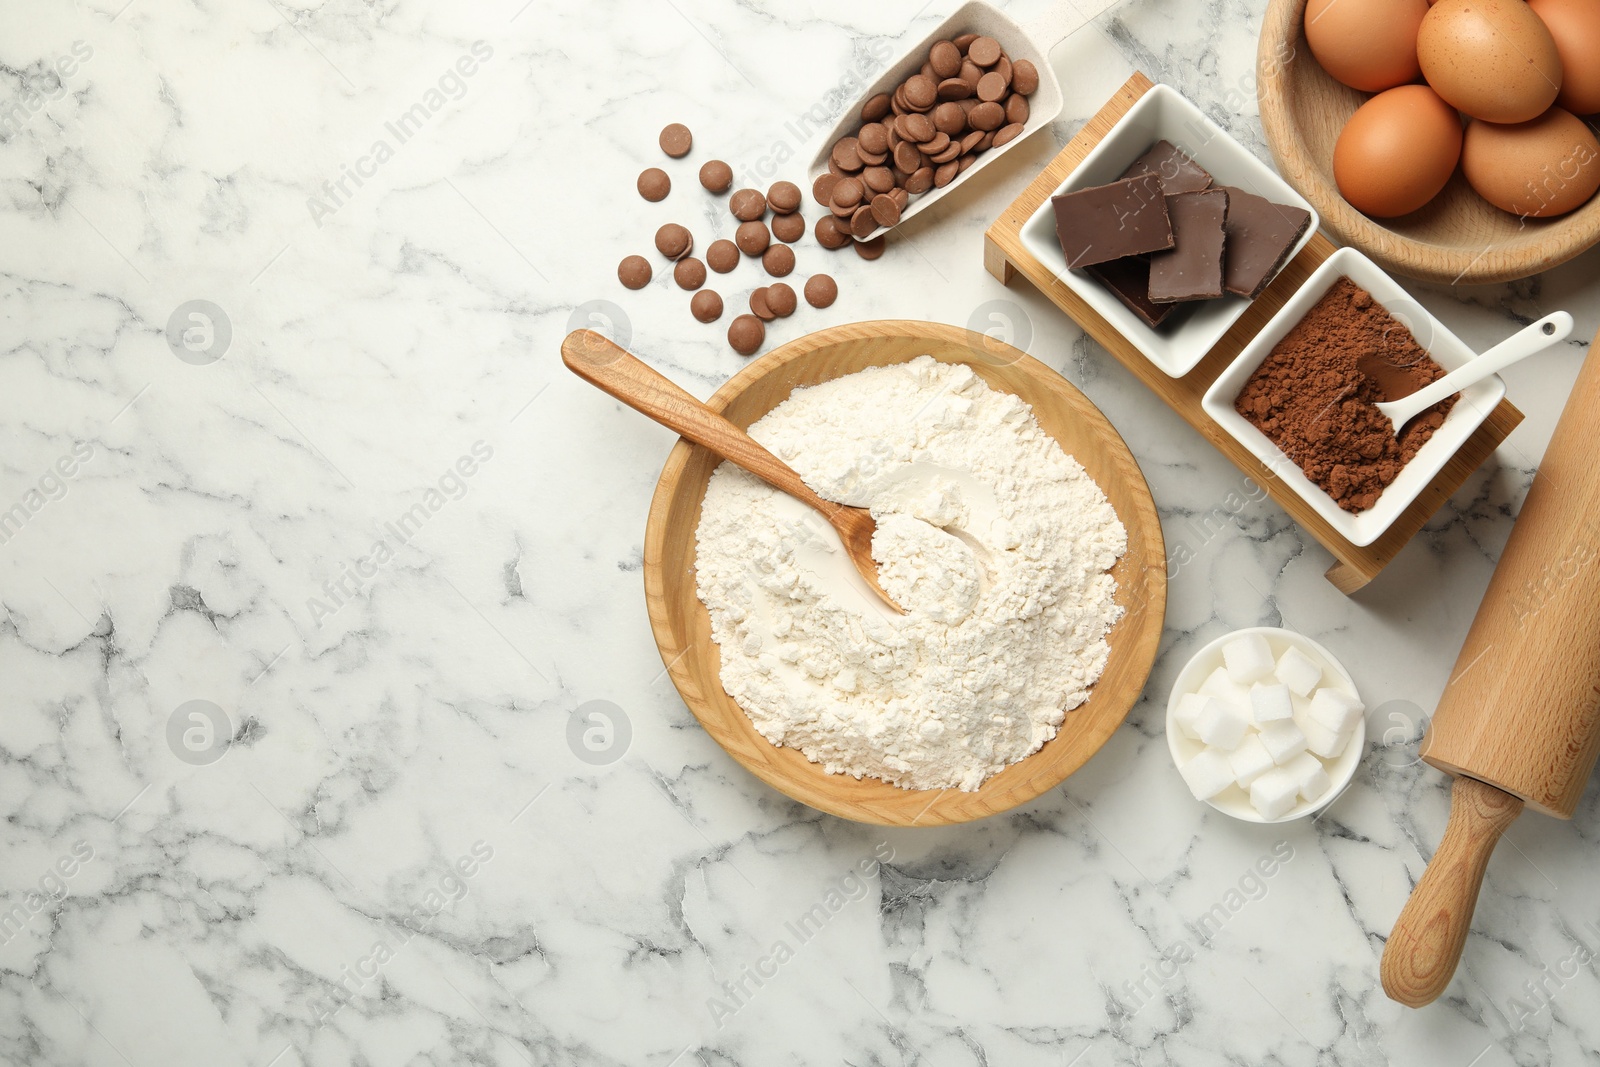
<point x="683" y="629"/>
<point x="1426" y="942"/>
<point x="1519" y="721"/>
<point x="1459" y="238"/>
<point x="604" y="364"/>
<point x="1005" y="255"/>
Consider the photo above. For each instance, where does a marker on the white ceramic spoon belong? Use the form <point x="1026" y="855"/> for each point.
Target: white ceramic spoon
<point x="1535" y="337"/>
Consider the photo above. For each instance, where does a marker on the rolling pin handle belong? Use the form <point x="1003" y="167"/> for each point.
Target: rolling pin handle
<point x="1426" y="944"/>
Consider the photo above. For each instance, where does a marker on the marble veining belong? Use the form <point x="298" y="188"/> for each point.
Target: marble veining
<point x="334" y="732"/>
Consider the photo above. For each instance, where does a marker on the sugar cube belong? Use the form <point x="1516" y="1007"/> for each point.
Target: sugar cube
<point x="1248" y="658"/>
<point x="1310" y="774"/>
<point x="1220" y="685"/>
<point x="1271" y="703"/>
<point x="1207" y="774"/>
<point x="1273" y="794"/>
<point x="1187" y="713"/>
<point x="1298" y="671"/>
<point x="1323" y="741"/>
<point x="1283" y="739"/>
<point x="1249" y="761"/>
<point x="1335" y="709"/>
<point x="1222" y="725"/>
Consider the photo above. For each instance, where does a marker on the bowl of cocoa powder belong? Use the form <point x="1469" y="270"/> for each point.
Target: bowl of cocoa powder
<point x="1303" y="396"/>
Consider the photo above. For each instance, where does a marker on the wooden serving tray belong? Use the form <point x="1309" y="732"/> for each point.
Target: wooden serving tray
<point x="1004" y="256"/>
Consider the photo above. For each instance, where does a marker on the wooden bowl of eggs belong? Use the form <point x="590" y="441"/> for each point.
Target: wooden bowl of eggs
<point x="1365" y="118"/>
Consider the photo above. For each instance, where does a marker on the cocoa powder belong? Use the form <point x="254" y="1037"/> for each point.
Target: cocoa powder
<point x="1315" y="396"/>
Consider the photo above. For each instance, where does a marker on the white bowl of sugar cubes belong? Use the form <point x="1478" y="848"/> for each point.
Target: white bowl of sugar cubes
<point x="1265" y="725"/>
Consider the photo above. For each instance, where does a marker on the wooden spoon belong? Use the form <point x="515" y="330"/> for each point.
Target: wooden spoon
<point x="1532" y="338"/>
<point x="600" y="362"/>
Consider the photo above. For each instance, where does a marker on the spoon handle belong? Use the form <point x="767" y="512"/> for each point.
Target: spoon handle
<point x="598" y="360"/>
<point x="1525" y="342"/>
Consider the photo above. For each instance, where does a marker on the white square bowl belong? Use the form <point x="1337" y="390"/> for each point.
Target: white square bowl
<point x="1473" y="406"/>
<point x="972" y="17"/>
<point x="1163" y="114"/>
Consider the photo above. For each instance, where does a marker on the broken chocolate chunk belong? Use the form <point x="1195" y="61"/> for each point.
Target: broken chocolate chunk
<point x="1192" y="268"/>
<point x="1106" y="222"/>
<point x="1178" y="171"/>
<point x="1260" y="236"/>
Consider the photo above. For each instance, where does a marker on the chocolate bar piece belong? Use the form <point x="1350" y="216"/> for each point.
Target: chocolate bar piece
<point x="1192" y="269"/>
<point x="1178" y="171"/>
<point x="1260" y="237"/>
<point x="1106" y="222"/>
<point x="1129" y="281"/>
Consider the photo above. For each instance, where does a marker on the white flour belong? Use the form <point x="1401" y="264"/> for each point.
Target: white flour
<point x="996" y="540"/>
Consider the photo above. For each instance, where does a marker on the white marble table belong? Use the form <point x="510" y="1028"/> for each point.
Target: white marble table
<point x="390" y="548"/>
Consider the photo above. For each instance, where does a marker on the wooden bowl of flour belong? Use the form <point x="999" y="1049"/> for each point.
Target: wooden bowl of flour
<point x="683" y="628"/>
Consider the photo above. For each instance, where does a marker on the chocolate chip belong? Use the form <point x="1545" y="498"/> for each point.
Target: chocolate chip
<point x="870" y="249"/>
<point x="821" y="290"/>
<point x="873" y="138"/>
<point x="984" y="51"/>
<point x="634" y="272"/>
<point x="654" y="185"/>
<point x="745" y="334"/>
<point x="690" y="273"/>
<point x="885" y="210"/>
<point x="828" y="233"/>
<point x="878" y="179"/>
<point x="949" y="119"/>
<point x="921" y="91"/>
<point x="783" y="197"/>
<point x="1024" y="77"/>
<point x="991" y="86"/>
<point x="945" y="59"/>
<point x="822" y="188"/>
<point x="781" y="299"/>
<point x="676" y="140"/>
<point x="970" y="73"/>
<point x="847" y="194"/>
<point x="1006" y="133"/>
<point x="716" y="176"/>
<point x="778" y="260"/>
<point x="862" y="223"/>
<point x="963" y="41"/>
<point x="722" y="256"/>
<point x="1016" y="108"/>
<point x="987" y="116"/>
<point x="747" y="205"/>
<point x="759" y="305"/>
<point x="752" y="237"/>
<point x="920" y="181"/>
<point x="706" y="305"/>
<point x="844" y="156"/>
<point x="955" y="89"/>
<point x="789" y="228"/>
<point x="875" y="108"/>
<point x="907" y="158"/>
<point x="673" y="241"/>
<point x="945" y="173"/>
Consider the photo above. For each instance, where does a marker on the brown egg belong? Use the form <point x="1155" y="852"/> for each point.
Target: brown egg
<point x="1397" y="151"/>
<point x="1369" y="45"/>
<point x="1492" y="59"/>
<point x="1535" y="169"/>
<point x="1575" y="27"/>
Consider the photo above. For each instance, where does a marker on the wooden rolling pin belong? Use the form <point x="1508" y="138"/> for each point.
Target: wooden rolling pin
<point x="1519" y="721"/>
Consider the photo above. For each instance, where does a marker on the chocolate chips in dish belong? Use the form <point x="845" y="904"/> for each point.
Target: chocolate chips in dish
<point x="1218" y="239"/>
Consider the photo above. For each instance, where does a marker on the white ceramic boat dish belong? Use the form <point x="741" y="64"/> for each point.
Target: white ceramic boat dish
<point x="1233" y="800"/>
<point x="1474" y="405"/>
<point x="1043" y="106"/>
<point x="1163" y="114"/>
